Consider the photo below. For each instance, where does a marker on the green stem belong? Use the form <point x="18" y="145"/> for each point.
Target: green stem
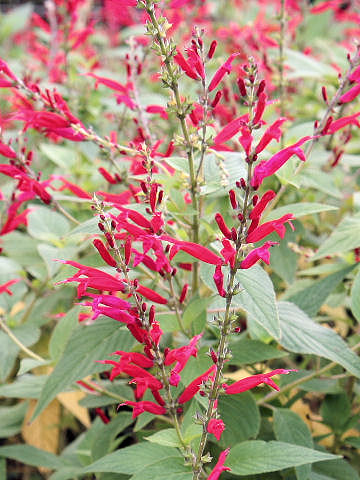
<point x="174" y="86"/>
<point x="18" y="342"/>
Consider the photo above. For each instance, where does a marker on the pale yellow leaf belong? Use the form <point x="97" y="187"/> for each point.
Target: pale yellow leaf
<point x="70" y="400"/>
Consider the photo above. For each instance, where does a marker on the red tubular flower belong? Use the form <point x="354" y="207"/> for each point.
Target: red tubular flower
<point x="100" y="412"/>
<point x="269" y="167"/>
<point x="271" y="133"/>
<point x="260" y="107"/>
<point x="222" y="226"/>
<point x="350" y="95"/>
<point x="185" y="66"/>
<point x="219" y="280"/>
<point x="231" y="129"/>
<point x="158" y="109"/>
<point x="216" y="426"/>
<point x="183" y="293"/>
<point x="219" y="467"/>
<point x="135" y="357"/>
<point x="7" y="151"/>
<point x="193" y="249"/>
<point x="212" y="49"/>
<point x="246" y="140"/>
<point x="143" y="383"/>
<point x="4" y="288"/>
<point x="79" y="192"/>
<point x="266" y="228"/>
<point x="355" y="76"/>
<point x="262" y="204"/>
<point x="181" y="356"/>
<point x="192" y="389"/>
<point x="105" y="254"/>
<point x="145" y="406"/>
<point x="108" y="177"/>
<point x="222" y="71"/>
<point x="228" y="252"/>
<point x="254" y="380"/>
<point x="260" y="253"/>
<point x="151" y="295"/>
<point x="110" y="83"/>
<point x="342" y="122"/>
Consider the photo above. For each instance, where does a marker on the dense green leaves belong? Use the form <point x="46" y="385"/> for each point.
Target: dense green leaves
<point x="246" y="351"/>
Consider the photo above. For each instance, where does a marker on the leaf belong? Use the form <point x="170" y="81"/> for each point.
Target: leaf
<point x="290" y="428"/>
<point x="47" y="225"/>
<point x="247" y="351"/>
<point x="62" y="332"/>
<point x="87" y="344"/>
<point x="283" y="260"/>
<point x="314" y="178"/>
<point x="339" y="404"/>
<point x="194" y="316"/>
<point x="241" y="417"/>
<point x="335" y="470"/>
<point x="257" y="456"/>
<point x="300" y="334"/>
<point x="167" y="437"/>
<point x="11" y="419"/>
<point x="344" y="237"/>
<point x="258" y="298"/>
<point x="25" y="386"/>
<point x="27" y="335"/>
<point x="108" y="432"/>
<point x="299" y="210"/>
<point x="50" y="254"/>
<point x="43" y="433"/>
<point x="31" y="456"/>
<point x="221" y="174"/>
<point x="27" y="364"/>
<point x="173" y="469"/>
<point x="312" y="297"/>
<point x="62" y="156"/>
<point x="134" y="459"/>
<point x="305" y="66"/>
<point x="355" y="297"/>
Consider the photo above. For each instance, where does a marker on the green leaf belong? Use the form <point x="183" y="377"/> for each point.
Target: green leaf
<point x="335" y="470"/>
<point x="31" y="456"/>
<point x="107" y="432"/>
<point x="344" y="237"/>
<point x="290" y="428"/>
<point x="12" y="419"/>
<point x="241" y="417"/>
<point x="314" y="178"/>
<point x="27" y="334"/>
<point x="300" y="334"/>
<point x="312" y="297"/>
<point x="257" y="456"/>
<point x="86" y="345"/>
<point x="194" y="316"/>
<point x="305" y="66"/>
<point x="247" y="351"/>
<point x="62" y="332"/>
<point x="47" y="225"/>
<point x="50" y="254"/>
<point x="62" y="156"/>
<point x="25" y="386"/>
<point x="339" y="404"/>
<point x="167" y="437"/>
<point x="299" y="210"/>
<point x="166" y="469"/>
<point x="355" y="297"/>
<point x="283" y="259"/>
<point x="258" y="298"/>
<point x="221" y="171"/>
<point x="134" y="459"/>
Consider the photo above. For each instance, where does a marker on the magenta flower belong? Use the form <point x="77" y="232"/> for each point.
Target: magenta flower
<point x="350" y="95"/>
<point x="219" y="280"/>
<point x="222" y="71"/>
<point x="181" y="356"/>
<point x="193" y="249"/>
<point x="336" y="125"/>
<point x="216" y="426"/>
<point x="225" y="230"/>
<point x="104" y="252"/>
<point x="145" y="406"/>
<point x="271" y="133"/>
<point x="260" y="107"/>
<point x="185" y="66"/>
<point x="219" y="467"/>
<point x="269" y="167"/>
<point x="254" y="380"/>
<point x="7" y="151"/>
<point x="266" y="228"/>
<point x="228" y="252"/>
<point x="231" y="129"/>
<point x="192" y="389"/>
<point x="4" y="288"/>
<point x="260" y="253"/>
